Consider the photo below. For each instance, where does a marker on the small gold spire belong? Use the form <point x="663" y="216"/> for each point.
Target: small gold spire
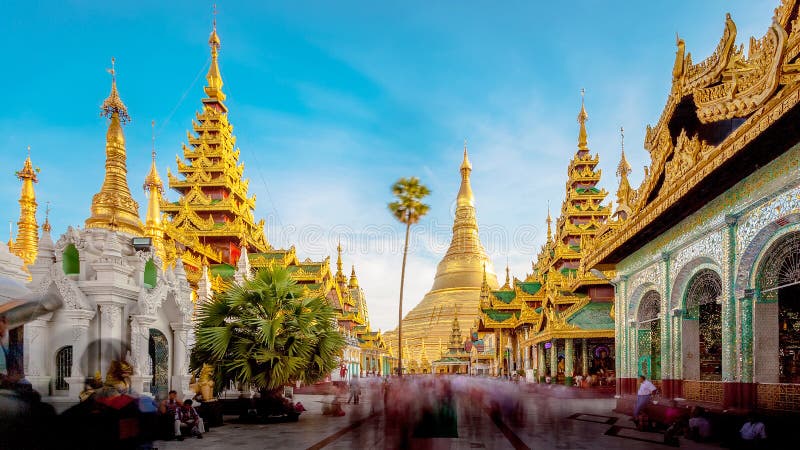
<point x="154" y="188"/>
<point x="623" y="169"/>
<point x="353" y="279"/>
<point x="549" y="221"/>
<point x="582" y="118"/>
<point x="113" y="207"/>
<point x="508" y="277"/>
<point x="340" y="277"/>
<point x="27" y="243"/>
<point x="46" y="225"/>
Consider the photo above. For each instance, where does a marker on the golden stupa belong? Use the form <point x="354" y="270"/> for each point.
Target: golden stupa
<point x="457" y="285"/>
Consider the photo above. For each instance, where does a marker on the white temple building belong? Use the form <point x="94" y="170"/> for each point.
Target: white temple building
<point x="119" y="298"/>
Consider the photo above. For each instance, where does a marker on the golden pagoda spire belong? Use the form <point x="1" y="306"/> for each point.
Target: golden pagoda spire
<point x="582" y="117"/>
<point x="113" y="207"/>
<point x="27" y="243"/>
<point x="154" y="188"/>
<point x="465" y="197"/>
<point x="214" y="77"/>
<point x="353" y="279"/>
<point x="461" y="265"/>
<point x="508" y="277"/>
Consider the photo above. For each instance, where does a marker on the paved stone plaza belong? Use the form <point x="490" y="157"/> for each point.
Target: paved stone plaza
<point x="551" y="422"/>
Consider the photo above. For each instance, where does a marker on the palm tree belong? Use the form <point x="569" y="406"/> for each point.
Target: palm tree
<point x="265" y="333"/>
<point x="408" y="209"/>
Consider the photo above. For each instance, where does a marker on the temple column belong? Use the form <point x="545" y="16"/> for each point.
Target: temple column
<point x="584" y="357"/>
<point x="79" y="320"/>
<point x="140" y="355"/>
<point x="180" y="357"/>
<point x="667" y="379"/>
<point x="110" y="334"/>
<point x="553" y="361"/>
<point x="542" y="369"/>
<point x="36" y="338"/>
<point x="569" y="361"/>
<point x="730" y="350"/>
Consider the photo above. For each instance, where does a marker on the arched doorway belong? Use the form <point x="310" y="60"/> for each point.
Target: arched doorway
<point x="158" y="348"/>
<point x="649" y="336"/>
<point x="63" y="368"/>
<point x="778" y="283"/>
<point x="702" y="327"/>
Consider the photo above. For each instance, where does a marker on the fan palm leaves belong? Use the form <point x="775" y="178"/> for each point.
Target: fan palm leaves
<point x="265" y="333"/>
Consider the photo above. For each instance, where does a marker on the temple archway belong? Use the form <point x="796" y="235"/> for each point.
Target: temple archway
<point x="701" y="339"/>
<point x="778" y="298"/>
<point x="649" y="335"/>
<point x="158" y="348"/>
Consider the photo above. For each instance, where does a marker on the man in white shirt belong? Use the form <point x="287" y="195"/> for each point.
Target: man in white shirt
<point x="646" y="389"/>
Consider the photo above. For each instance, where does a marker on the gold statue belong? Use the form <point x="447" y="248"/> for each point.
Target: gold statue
<point x="205" y="385"/>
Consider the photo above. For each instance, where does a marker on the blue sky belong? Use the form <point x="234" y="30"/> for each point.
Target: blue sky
<point x="333" y="101"/>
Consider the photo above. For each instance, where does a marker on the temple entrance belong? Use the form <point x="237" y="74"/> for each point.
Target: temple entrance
<point x="158" y="348"/>
<point x="649" y="336"/>
<point x="702" y="328"/>
<point x="779" y="282"/>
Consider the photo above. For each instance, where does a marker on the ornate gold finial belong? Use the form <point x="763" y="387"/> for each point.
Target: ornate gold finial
<point x="113" y="207"/>
<point x="465" y="164"/>
<point x="46" y="225"/>
<point x="582" y="118"/>
<point x="113" y="103"/>
<point x="508" y="276"/>
<point x="214" y="77"/>
<point x="624" y="192"/>
<point x="340" y="277"/>
<point x="624" y="168"/>
<point x="27" y="243"/>
<point x="549" y="221"/>
<point x="465" y="196"/>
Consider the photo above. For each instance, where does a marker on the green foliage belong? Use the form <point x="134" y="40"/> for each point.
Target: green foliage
<point x="264" y="333"/>
<point x="408" y="208"/>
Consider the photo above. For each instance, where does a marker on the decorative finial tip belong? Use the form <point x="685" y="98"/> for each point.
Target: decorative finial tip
<point x="113" y="103"/>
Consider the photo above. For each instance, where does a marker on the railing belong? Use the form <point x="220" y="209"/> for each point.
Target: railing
<point x="703" y="391"/>
<point x="778" y="397"/>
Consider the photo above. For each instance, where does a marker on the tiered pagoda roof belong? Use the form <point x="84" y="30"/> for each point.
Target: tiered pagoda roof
<point x="711" y="133"/>
<point x="559" y="298"/>
<point x="214" y="215"/>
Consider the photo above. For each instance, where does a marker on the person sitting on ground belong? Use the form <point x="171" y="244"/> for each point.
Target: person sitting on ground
<point x="579" y="380"/>
<point x="753" y="432"/>
<point x="166" y="411"/>
<point x="186" y="417"/>
<point x="699" y="426"/>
